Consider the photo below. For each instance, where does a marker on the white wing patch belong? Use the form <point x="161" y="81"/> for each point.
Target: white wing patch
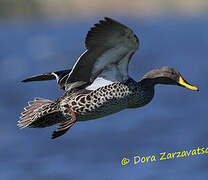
<point x="57" y="78"/>
<point x="108" y="76"/>
<point x="99" y="82"/>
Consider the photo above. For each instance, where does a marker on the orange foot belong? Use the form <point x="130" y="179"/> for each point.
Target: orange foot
<point x="65" y="126"/>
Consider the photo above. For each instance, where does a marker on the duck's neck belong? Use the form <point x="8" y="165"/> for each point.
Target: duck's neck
<point x="143" y="92"/>
<point x="148" y="83"/>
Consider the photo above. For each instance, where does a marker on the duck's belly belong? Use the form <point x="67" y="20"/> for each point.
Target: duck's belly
<point x="106" y="100"/>
<point x="109" y="107"/>
<point x="101" y="102"/>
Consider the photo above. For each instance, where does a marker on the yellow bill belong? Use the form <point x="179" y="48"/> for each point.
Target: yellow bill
<point x="185" y="84"/>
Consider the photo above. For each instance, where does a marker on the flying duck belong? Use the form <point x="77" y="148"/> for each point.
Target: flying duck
<point x="98" y="84"/>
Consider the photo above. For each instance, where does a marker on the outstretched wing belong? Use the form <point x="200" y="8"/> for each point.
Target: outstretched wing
<point x="110" y="46"/>
<point x="59" y="76"/>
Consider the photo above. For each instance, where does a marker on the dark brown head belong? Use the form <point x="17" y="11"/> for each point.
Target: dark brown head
<point x="167" y="75"/>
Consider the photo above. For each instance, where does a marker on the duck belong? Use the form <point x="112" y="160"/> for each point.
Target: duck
<point x="99" y="83"/>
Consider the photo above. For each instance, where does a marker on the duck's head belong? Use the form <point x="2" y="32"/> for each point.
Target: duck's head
<point x="167" y="75"/>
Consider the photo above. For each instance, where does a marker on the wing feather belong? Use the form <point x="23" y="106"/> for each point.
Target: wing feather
<point x="59" y="76"/>
<point x="109" y="43"/>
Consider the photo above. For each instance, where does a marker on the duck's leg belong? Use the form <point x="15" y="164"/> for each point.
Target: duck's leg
<point x="64" y="127"/>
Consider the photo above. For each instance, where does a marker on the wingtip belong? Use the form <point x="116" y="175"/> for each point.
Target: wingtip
<point x="27" y="80"/>
<point x="103" y="21"/>
<point x="107" y="18"/>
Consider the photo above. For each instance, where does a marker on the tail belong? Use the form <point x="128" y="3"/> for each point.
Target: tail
<point x="40" y="113"/>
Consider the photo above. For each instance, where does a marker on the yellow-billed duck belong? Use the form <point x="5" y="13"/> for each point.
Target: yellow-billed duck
<point x="99" y="83"/>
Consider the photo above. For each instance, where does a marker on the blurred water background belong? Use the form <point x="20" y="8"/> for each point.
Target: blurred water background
<point x="42" y="36"/>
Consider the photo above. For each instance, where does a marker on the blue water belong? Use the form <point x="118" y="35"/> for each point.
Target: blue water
<point x="176" y="119"/>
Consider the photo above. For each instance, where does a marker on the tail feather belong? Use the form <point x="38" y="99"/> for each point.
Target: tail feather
<point x="42" y="113"/>
<point x="33" y="111"/>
